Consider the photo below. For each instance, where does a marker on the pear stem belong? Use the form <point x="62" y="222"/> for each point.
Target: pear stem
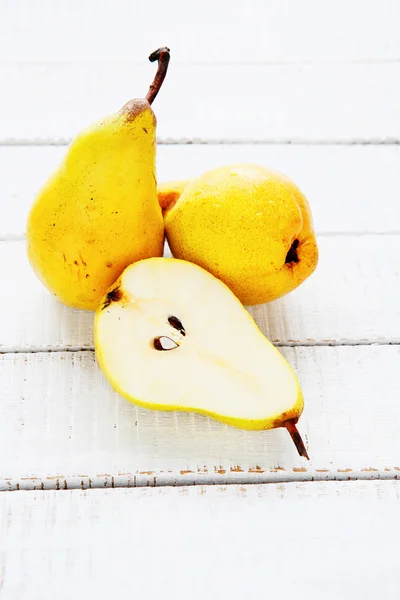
<point x="163" y="56"/>
<point x="296" y="437"/>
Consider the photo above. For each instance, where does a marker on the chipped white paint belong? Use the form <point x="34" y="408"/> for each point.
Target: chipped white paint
<point x="352" y="298"/>
<point x="343" y="299"/>
<point x="250" y="102"/>
<point x="213" y="541"/>
<point x="351" y="189"/>
<point x="60" y="422"/>
<point x="308" y="71"/>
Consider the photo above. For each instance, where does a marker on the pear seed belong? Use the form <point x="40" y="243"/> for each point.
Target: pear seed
<point x="164" y="343"/>
<point x="176" y="324"/>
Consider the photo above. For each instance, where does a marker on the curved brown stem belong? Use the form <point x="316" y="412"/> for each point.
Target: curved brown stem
<point x="296" y="437"/>
<point x="163" y="56"/>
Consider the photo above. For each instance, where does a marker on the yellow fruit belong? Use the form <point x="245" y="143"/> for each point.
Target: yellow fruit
<point x="170" y="192"/>
<point x="248" y="225"/>
<point x="171" y="336"/>
<point x="99" y="211"/>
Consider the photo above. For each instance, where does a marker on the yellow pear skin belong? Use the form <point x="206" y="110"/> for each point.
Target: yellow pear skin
<point x="170" y="336"/>
<point x="168" y="193"/>
<point x="99" y="211"/>
<point x="248" y="225"/>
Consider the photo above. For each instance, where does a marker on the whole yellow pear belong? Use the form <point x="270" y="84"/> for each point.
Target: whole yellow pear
<point x="248" y="225"/>
<point x="99" y="210"/>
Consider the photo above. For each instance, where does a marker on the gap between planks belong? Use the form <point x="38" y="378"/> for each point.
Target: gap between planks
<point x="253" y="476"/>
<point x="374" y="141"/>
<point x="224" y="63"/>
<point x="288" y="344"/>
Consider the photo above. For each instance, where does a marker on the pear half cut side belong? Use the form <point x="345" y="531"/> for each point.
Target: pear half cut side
<point x="171" y="336"/>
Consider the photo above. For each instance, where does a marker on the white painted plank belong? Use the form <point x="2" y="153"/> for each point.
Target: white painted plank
<point x="313" y="541"/>
<point x="43" y="101"/>
<point x="260" y="31"/>
<point x="352" y="297"/>
<point x="62" y="426"/>
<point x="350" y="188"/>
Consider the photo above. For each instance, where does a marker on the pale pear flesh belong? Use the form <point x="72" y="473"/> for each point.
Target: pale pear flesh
<point x="170" y="336"/>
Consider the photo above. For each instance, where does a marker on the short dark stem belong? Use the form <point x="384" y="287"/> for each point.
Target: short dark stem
<point x="296" y="437"/>
<point x="163" y="56"/>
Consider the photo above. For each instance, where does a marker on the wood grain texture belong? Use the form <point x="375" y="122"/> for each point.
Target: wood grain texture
<point x="325" y="540"/>
<point x="352" y="298"/>
<point x="314" y="102"/>
<point x="260" y="71"/>
<point x="351" y="189"/>
<point x="61" y="426"/>
<point x="261" y="31"/>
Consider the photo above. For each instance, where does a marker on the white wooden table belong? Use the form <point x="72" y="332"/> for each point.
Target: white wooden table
<point x="99" y="497"/>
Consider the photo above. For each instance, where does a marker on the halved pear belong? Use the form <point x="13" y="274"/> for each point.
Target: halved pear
<point x="171" y="336"/>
